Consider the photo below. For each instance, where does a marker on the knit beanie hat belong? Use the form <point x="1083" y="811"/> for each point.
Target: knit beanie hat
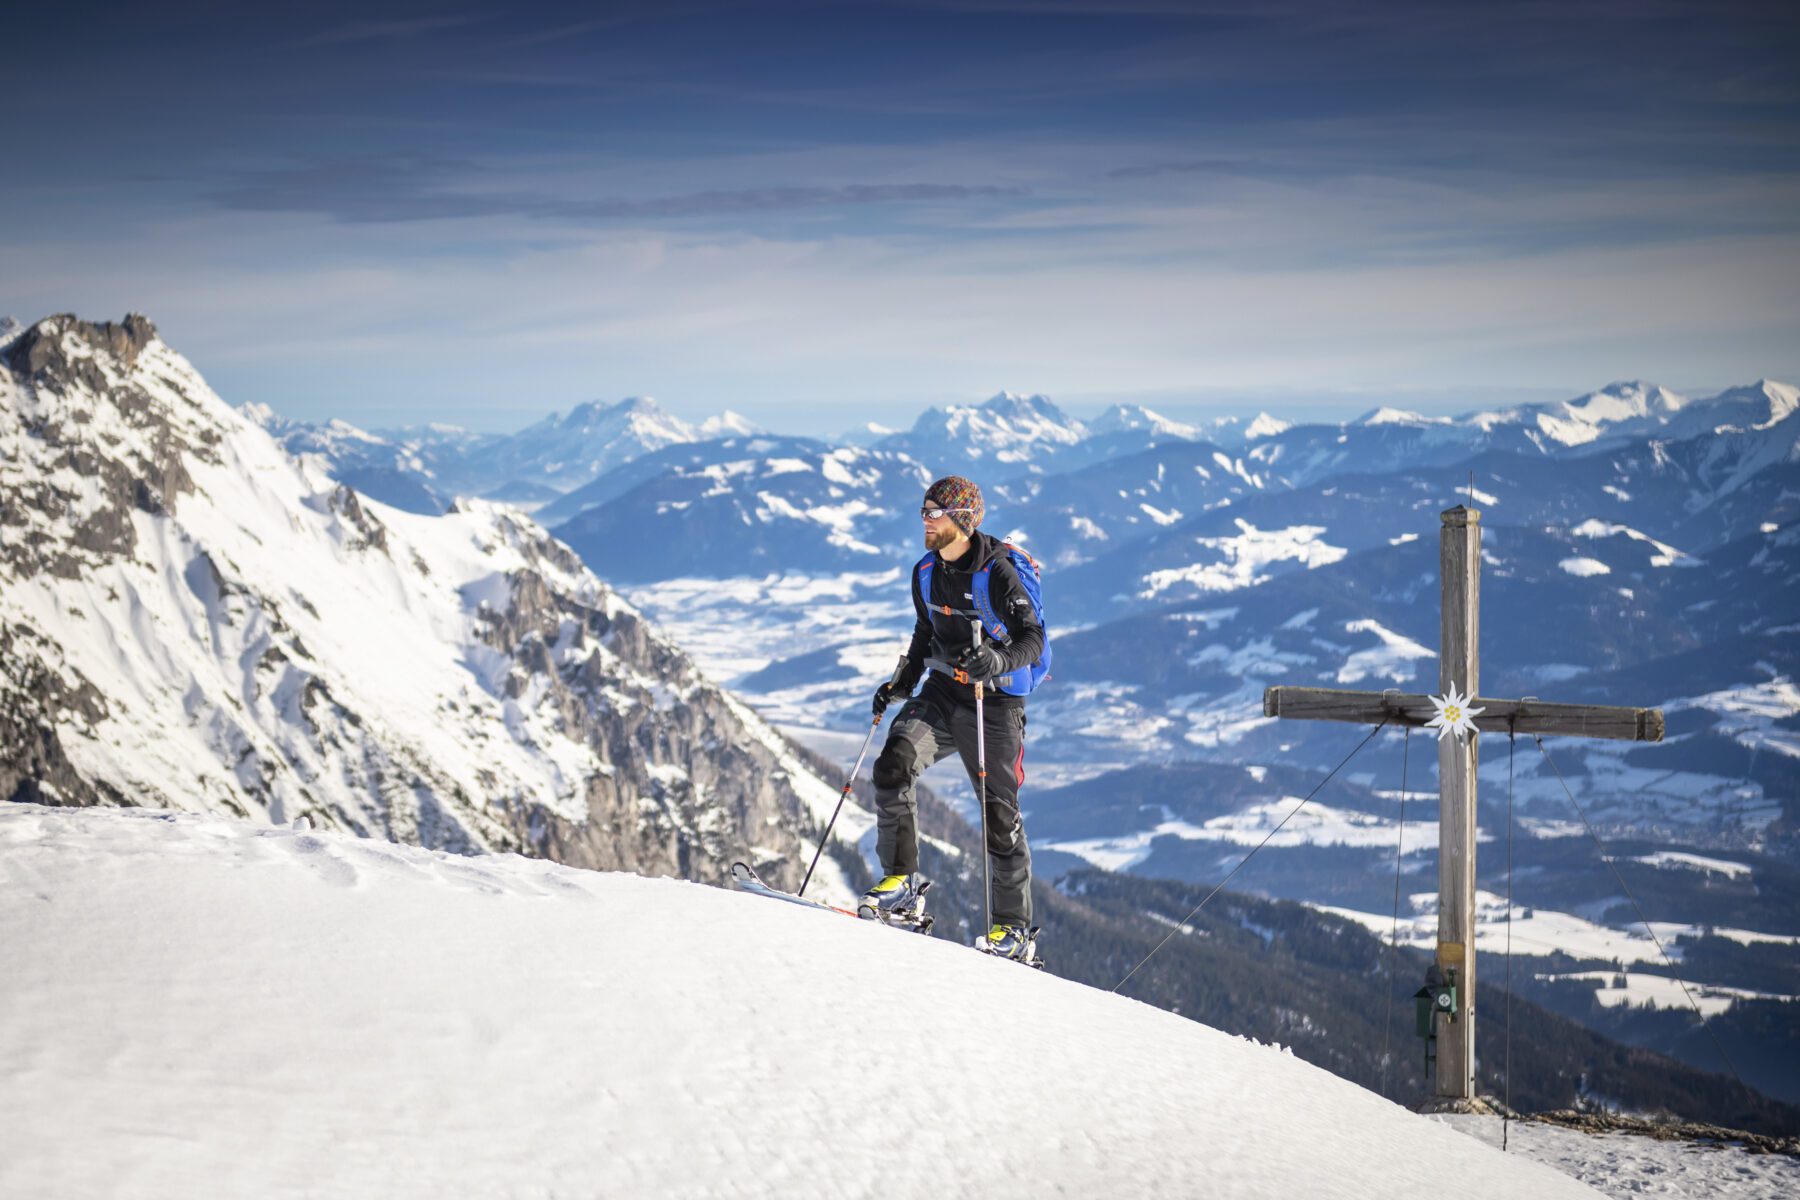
<point x="953" y="491"/>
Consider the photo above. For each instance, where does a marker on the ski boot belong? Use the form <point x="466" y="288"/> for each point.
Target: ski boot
<point x="1013" y="941"/>
<point x="897" y="900"/>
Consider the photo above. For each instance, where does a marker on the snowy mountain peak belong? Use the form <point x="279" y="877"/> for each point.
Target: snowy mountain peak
<point x="1033" y="410"/>
<point x="98" y="422"/>
<point x="1398" y="416"/>
<point x="261" y="414"/>
<point x="641" y="412"/>
<point x="1123" y="418"/>
<point x="1626" y="408"/>
<point x="1033" y="418"/>
<point x="1266" y="426"/>
<point x="1619" y="402"/>
<point x="728" y="424"/>
<point x="10" y="328"/>
<point x="62" y="342"/>
<point x="343" y="428"/>
<point x="1014" y="404"/>
<point x="1007" y="429"/>
<point x="565" y="451"/>
<point x="867" y="434"/>
<point x="1637" y="396"/>
<point x="1761" y="405"/>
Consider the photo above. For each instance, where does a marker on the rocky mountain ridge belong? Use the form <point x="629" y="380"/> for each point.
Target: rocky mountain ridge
<point x="190" y="618"/>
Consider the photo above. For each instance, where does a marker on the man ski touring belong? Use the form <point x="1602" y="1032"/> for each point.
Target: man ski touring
<point x="965" y="577"/>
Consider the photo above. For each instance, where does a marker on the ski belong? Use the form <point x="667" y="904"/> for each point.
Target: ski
<point x="746" y="877"/>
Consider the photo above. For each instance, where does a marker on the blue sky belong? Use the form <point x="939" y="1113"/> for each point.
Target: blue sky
<point x="821" y="214"/>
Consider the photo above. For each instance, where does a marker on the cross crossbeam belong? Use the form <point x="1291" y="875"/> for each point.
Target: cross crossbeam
<point x="1527" y="716"/>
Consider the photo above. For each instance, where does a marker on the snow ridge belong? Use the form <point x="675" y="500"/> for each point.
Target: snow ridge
<point x="349" y="990"/>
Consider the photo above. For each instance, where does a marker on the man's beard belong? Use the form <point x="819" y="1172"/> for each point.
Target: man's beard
<point x="938" y="539"/>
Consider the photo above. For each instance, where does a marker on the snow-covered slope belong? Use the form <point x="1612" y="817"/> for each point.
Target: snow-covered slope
<point x="199" y="1006"/>
<point x="190" y="618"/>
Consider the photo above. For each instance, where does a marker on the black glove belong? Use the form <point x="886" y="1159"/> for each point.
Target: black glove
<point x="981" y="663"/>
<point x="886" y="694"/>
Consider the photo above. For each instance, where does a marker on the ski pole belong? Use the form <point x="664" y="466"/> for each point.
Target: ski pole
<point x="987" y="883"/>
<point x="870" y="737"/>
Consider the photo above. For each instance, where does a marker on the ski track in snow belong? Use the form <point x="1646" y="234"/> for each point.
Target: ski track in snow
<point x="196" y="1006"/>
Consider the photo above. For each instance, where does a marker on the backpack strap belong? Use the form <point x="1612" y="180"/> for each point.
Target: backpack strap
<point x="983" y="611"/>
<point x="984" y="608"/>
<point x="924" y="569"/>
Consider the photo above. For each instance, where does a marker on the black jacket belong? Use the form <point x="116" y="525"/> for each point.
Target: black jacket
<point x="943" y="636"/>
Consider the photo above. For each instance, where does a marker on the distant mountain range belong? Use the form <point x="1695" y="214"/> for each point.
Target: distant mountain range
<point x="1634" y="536"/>
<point x="423" y="469"/>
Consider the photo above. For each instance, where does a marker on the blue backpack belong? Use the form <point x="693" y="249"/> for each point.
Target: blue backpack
<point x="1024" y="680"/>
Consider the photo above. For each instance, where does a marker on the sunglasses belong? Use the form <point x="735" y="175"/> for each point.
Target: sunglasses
<point x="933" y="514"/>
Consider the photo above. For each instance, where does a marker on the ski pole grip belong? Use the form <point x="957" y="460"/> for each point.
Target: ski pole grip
<point x="893" y="684"/>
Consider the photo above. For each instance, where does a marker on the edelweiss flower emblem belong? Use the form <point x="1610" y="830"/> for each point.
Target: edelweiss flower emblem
<point x="1453" y="714"/>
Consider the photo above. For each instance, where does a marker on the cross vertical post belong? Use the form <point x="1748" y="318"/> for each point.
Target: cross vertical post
<point x="1459" y="666"/>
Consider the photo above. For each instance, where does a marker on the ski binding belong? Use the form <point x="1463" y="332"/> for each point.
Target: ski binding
<point x="915" y="918"/>
<point x="1028" y="957"/>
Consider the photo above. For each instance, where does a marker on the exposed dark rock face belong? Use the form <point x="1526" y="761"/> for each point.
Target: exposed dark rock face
<point x="48" y="352"/>
<point x="34" y="700"/>
<point x="108" y="447"/>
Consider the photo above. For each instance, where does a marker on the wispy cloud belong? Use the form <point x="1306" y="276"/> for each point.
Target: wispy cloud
<point x="1206" y="166"/>
<point x="426" y="188"/>
<point x="366" y="312"/>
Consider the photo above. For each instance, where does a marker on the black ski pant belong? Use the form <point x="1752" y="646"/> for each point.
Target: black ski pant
<point x="929" y="728"/>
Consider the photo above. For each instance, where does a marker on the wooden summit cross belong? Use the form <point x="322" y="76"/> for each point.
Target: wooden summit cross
<point x="1459" y="664"/>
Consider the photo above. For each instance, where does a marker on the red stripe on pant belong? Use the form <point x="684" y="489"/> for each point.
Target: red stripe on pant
<point x="1019" y="766"/>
